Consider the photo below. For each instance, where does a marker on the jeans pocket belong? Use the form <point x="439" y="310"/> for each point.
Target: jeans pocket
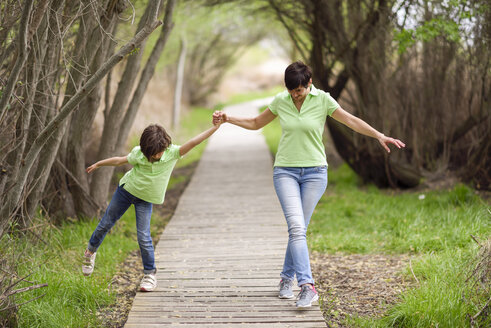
<point x="278" y="170"/>
<point x="322" y="168"/>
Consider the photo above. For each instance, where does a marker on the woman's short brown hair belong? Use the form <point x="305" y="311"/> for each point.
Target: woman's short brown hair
<point x="154" y="140"/>
<point x="297" y="74"/>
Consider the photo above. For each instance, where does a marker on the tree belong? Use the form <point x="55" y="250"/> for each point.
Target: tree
<point x="65" y="44"/>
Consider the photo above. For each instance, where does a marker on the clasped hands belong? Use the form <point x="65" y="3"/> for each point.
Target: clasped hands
<point x="219" y="117"/>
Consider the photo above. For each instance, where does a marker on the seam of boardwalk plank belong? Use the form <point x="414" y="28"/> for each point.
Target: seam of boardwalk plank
<point x="219" y="258"/>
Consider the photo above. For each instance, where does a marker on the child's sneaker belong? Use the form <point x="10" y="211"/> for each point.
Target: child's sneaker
<point x="88" y="263"/>
<point x="307" y="296"/>
<point x="149" y="283"/>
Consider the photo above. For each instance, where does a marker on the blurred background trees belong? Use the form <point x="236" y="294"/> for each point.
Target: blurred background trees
<point x="416" y="70"/>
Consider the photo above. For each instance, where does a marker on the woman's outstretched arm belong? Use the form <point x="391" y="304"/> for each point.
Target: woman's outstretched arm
<point x="363" y="127"/>
<point x="253" y="123"/>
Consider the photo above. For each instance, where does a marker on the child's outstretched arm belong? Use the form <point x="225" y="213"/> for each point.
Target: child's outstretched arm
<point x="250" y="123"/>
<point x="197" y="140"/>
<point x="112" y="161"/>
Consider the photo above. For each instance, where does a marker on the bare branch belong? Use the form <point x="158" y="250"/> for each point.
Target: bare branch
<point x="22" y="49"/>
<point x="25" y="289"/>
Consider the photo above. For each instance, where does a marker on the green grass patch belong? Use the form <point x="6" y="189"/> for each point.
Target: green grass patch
<point x="443" y="296"/>
<point x="354" y="219"/>
<point x="434" y="226"/>
<point x="71" y="299"/>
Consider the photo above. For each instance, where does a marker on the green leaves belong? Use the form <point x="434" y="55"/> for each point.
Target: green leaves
<point x="429" y="30"/>
<point x="452" y="20"/>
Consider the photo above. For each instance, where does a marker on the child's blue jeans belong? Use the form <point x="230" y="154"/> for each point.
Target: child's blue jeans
<point x="299" y="189"/>
<point x="120" y="202"/>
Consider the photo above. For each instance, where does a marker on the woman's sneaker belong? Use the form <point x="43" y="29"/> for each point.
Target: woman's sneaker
<point x="149" y="283"/>
<point x="286" y="288"/>
<point x="307" y="296"/>
<point x="88" y="263"/>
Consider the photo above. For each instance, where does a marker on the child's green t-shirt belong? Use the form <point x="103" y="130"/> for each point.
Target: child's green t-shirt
<point x="148" y="181"/>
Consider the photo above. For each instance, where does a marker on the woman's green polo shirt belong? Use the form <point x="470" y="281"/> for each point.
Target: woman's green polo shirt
<point x="301" y="138"/>
<point x="146" y="180"/>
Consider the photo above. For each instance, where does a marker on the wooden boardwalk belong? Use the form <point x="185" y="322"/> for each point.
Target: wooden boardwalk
<point x="219" y="258"/>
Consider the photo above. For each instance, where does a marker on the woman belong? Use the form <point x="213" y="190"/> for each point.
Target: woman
<point x="300" y="167"/>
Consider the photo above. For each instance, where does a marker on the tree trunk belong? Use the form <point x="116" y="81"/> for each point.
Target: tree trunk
<point x="33" y="69"/>
<point x="176" y="109"/>
<point x="365" y="65"/>
<point x="82" y="122"/>
<point x="22" y="54"/>
<point x="146" y="76"/>
<point x="45" y="102"/>
<point x="51" y="146"/>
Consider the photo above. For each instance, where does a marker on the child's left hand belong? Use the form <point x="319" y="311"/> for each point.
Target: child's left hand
<point x="91" y="168"/>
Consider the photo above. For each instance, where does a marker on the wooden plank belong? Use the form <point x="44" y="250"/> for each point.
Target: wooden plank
<point x="226" y="308"/>
<point x="226" y="319"/>
<point x="224" y="325"/>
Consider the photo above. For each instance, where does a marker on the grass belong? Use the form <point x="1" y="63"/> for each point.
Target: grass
<point x="443" y="296"/>
<point x="354" y="219"/>
<point x="71" y="300"/>
<point x="435" y="230"/>
<point x="434" y="227"/>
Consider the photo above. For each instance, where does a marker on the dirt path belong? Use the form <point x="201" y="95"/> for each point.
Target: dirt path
<point x="357" y="285"/>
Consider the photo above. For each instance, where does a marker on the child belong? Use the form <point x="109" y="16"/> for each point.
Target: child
<point x="142" y="186"/>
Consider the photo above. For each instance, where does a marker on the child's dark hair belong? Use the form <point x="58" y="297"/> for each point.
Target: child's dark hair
<point x="297" y="74"/>
<point x="154" y="140"/>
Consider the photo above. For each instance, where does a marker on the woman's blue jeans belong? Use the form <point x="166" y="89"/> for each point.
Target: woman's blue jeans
<point x="119" y="204"/>
<point x="299" y="189"/>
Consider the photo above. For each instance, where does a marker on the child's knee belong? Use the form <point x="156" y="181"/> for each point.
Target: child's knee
<point x="144" y="237"/>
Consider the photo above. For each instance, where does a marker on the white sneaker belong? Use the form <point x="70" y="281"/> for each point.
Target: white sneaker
<point x="149" y="283"/>
<point x="88" y="263"/>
